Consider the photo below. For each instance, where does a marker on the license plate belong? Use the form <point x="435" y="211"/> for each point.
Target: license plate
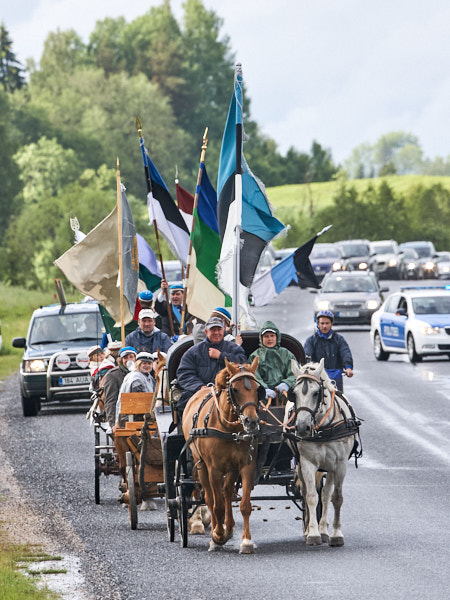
<point x="348" y="313"/>
<point x="75" y="380"/>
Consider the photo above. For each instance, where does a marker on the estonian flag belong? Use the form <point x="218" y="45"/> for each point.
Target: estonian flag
<point x="296" y="266"/>
<point x="163" y="210"/>
<point x="258" y="225"/>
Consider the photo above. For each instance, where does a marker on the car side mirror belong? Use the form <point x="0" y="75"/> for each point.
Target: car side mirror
<point x="313" y="291"/>
<point x="19" y="342"/>
<point x="385" y="289"/>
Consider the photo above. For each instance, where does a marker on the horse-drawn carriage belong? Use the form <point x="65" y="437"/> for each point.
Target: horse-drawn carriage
<point x="276" y="441"/>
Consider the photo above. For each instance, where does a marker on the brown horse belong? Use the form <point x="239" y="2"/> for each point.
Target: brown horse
<point x="220" y="423"/>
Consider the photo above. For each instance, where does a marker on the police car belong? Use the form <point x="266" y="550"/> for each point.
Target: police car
<point x="414" y="321"/>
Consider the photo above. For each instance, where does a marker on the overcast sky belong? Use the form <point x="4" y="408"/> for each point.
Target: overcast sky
<point x="340" y="72"/>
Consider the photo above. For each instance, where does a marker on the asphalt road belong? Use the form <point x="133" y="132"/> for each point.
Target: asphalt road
<point x="395" y="515"/>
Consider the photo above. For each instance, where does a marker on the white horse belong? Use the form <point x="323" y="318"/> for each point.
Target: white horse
<point x="321" y="415"/>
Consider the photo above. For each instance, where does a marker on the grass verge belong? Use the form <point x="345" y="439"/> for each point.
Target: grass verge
<point x="15" y="580"/>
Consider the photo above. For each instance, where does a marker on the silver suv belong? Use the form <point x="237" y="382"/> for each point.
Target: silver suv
<point x="55" y="363"/>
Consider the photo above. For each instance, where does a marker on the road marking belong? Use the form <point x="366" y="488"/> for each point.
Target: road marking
<point x="387" y="416"/>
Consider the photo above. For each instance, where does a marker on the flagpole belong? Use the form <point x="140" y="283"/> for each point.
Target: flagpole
<point x="119" y="227"/>
<point x="238" y="202"/>
<point x="188" y="266"/>
<point x="149" y="191"/>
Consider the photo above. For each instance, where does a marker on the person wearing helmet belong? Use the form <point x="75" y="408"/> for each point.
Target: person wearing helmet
<point x="327" y="344"/>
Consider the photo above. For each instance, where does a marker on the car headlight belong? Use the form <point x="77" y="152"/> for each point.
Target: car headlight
<point x="336" y="266"/>
<point x="428" y="330"/>
<point x="323" y="305"/>
<point x="362" y="266"/>
<point x="429" y="265"/>
<point x="393" y="262"/>
<point x="35" y="366"/>
<point x="411" y="265"/>
<point x="372" y="304"/>
<point x="445" y="269"/>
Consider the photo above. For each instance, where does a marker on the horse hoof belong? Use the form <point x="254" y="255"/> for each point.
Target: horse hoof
<point x="336" y="541"/>
<point x="325" y="538"/>
<point x="149" y="505"/>
<point x="246" y="547"/>
<point x="213" y="547"/>
<point x="313" y="540"/>
<point x="197" y="529"/>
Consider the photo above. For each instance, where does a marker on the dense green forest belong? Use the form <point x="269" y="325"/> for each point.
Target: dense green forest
<point x="64" y="121"/>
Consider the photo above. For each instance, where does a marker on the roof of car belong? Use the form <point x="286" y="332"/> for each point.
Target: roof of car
<point x="75" y="307"/>
<point x="350" y="274"/>
<point x="425" y="291"/>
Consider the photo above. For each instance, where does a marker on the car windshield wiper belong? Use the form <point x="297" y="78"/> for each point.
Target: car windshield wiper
<point x="45" y="342"/>
<point x="81" y="339"/>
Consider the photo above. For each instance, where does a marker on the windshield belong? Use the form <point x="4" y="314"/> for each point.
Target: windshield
<point x="354" y="249"/>
<point x="383" y="249"/>
<point x="324" y="253"/>
<point x="423" y="251"/>
<point x="432" y="305"/>
<point x="66" y="328"/>
<point x="348" y="284"/>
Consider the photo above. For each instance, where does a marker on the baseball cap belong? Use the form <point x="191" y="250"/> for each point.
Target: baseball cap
<point x="93" y="350"/>
<point x="145" y="356"/>
<point x="147" y="313"/>
<point x="127" y="350"/>
<point x="267" y="330"/>
<point x="146" y="295"/>
<point x="214" y="322"/>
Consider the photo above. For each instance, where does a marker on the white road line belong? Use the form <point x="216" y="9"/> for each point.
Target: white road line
<point x="386" y="410"/>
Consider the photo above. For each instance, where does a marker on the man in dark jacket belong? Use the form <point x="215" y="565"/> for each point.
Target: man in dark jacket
<point x="201" y="363"/>
<point x="331" y="346"/>
<point x="147" y="337"/>
<point x="176" y="293"/>
<point x="113" y="380"/>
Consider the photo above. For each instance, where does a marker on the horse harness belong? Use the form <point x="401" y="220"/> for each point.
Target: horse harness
<point x="337" y="429"/>
<point x="238" y="436"/>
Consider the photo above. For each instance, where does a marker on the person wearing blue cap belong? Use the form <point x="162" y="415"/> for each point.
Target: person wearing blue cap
<point x="146" y="299"/>
<point x="201" y="363"/>
<point x="113" y="380"/>
<point x="176" y="293"/>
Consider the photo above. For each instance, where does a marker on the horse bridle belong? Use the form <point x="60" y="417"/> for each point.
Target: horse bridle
<point x="304" y="377"/>
<point x="243" y="374"/>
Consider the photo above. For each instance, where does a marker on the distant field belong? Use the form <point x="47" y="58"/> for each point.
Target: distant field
<point x="321" y="194"/>
<point x="16" y="307"/>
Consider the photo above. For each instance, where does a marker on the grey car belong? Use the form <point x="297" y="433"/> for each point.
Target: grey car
<point x="55" y="363"/>
<point x="386" y="259"/>
<point x="352" y="296"/>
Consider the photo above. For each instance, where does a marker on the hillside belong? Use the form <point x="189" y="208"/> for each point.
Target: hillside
<point x="299" y="196"/>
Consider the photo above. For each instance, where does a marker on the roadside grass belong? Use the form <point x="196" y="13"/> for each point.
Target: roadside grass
<point x="17" y="579"/>
<point x="16" y="307"/>
<point x="320" y="195"/>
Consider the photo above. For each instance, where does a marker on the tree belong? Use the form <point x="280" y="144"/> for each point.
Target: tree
<point x="9" y="171"/>
<point x="11" y="70"/>
<point x="45" y="169"/>
<point x="322" y="166"/>
<point x="389" y="144"/>
<point x="106" y="46"/>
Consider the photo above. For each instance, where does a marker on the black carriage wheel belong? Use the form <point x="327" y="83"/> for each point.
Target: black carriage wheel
<point x="97" y="467"/>
<point x="183" y="517"/>
<point x="132" y="506"/>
